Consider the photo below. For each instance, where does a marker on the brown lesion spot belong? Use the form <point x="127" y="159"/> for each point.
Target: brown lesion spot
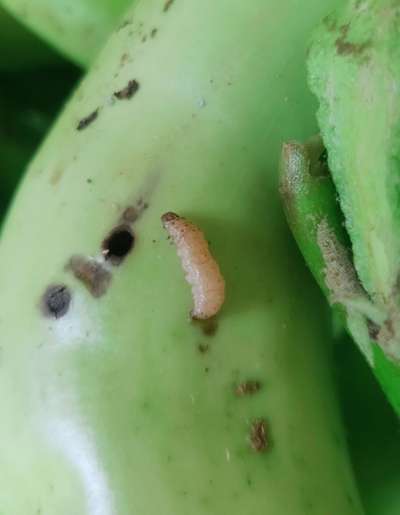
<point x="128" y="91"/>
<point x="87" y="120"/>
<point x="91" y="273"/>
<point x="203" y="348"/>
<point x="258" y="435"/>
<point x="167" y="5"/>
<point x="249" y="387"/>
<point x="208" y="327"/>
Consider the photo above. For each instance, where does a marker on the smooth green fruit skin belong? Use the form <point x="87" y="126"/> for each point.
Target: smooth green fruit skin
<point x="112" y="409"/>
<point x="353" y="70"/>
<point x="76" y="28"/>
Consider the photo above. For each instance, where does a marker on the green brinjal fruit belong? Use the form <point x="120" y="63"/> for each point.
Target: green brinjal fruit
<point x="115" y="398"/>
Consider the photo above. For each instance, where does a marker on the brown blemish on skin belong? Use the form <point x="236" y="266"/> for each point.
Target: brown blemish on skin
<point x="87" y="120"/>
<point x="128" y="91"/>
<point x="144" y="39"/>
<point x="124" y="58"/>
<point x="258" y="435"/>
<point x="56" y="176"/>
<point x="91" y="273"/>
<point x="130" y="215"/>
<point x="56" y="301"/>
<point x="124" y="24"/>
<point x="208" y="327"/>
<point x="153" y="32"/>
<point x="203" y="348"/>
<point x="167" y="5"/>
<point x="117" y="245"/>
<point x="247" y="388"/>
<point x="345" y="47"/>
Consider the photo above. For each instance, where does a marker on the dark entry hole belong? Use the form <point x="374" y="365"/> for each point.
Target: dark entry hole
<point x="118" y="244"/>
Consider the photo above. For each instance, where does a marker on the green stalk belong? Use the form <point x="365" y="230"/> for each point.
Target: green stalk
<point x="118" y="403"/>
<point x="310" y="202"/>
<point x="76" y="28"/>
<point x="354" y="71"/>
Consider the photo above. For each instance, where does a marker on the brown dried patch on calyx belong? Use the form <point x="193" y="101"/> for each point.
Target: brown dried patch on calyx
<point x="345" y="47"/>
<point x="340" y="275"/>
<point x="91" y="273"/>
<point x="201" y="269"/>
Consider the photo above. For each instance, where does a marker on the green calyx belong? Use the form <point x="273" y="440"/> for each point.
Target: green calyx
<point x="354" y="71"/>
<point x="314" y="215"/>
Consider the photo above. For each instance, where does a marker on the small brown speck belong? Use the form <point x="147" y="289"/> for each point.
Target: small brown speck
<point x="167" y="5"/>
<point x="153" y="32"/>
<point x="124" y="24"/>
<point x="203" y="348"/>
<point x="144" y="39"/>
<point x="89" y="180"/>
<point x="209" y="326"/>
<point x="87" y="120"/>
<point x="373" y="330"/>
<point x="247" y="388"/>
<point x="124" y="58"/>
<point x="258" y="435"/>
<point x="128" y="91"/>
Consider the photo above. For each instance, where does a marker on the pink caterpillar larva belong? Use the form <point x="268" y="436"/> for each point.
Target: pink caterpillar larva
<point x="201" y="270"/>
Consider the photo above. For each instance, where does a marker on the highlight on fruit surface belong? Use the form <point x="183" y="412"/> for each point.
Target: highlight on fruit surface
<point x="201" y="270"/>
<point x="118" y="395"/>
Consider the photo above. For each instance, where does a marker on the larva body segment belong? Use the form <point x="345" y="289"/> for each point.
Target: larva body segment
<point x="201" y="270"/>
